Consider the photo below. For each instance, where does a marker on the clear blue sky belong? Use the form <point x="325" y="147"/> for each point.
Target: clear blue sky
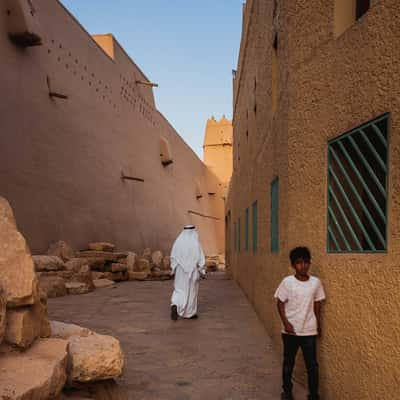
<point x="189" y="47"/>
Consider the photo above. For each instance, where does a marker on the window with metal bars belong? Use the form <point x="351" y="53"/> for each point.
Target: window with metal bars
<point x="234" y="236"/>
<point x="357" y="189"/>
<point x="238" y="235"/>
<point x="246" y="230"/>
<point x="254" y="235"/>
<point x="275" y="216"/>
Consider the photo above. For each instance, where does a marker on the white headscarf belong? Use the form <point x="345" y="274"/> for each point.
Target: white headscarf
<point x="186" y="250"/>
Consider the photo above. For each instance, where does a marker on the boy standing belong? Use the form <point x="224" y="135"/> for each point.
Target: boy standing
<point x="299" y="299"/>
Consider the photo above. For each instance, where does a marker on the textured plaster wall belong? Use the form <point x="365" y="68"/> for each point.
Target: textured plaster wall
<point x="61" y="160"/>
<point x="326" y="86"/>
<point x="217" y="149"/>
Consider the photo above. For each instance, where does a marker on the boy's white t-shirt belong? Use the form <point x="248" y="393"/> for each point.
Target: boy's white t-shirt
<point x="299" y="297"/>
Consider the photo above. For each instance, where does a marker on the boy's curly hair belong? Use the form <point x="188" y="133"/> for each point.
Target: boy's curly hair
<point x="300" y="253"/>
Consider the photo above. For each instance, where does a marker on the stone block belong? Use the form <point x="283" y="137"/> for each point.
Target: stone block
<point x="131" y="261"/>
<point x="65" y="331"/>
<point x="103" y="283"/>
<point x="118" y="267"/>
<point x="142" y="265"/>
<point x="157" y="258"/>
<point x="53" y="286"/>
<point x="166" y="263"/>
<point x="23" y="325"/>
<point x="75" y="264"/>
<point x="138" y="276"/>
<point x="77" y="288"/>
<point x="48" y="263"/>
<point x="101" y="246"/>
<point x="62" y="250"/>
<point x="17" y="272"/>
<point x="94" y="357"/>
<point x="38" y="373"/>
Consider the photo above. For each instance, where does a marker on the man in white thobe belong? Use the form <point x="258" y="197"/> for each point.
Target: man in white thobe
<point x="188" y="266"/>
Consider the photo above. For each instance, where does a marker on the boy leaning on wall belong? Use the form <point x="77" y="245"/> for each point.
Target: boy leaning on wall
<point x="299" y="299"/>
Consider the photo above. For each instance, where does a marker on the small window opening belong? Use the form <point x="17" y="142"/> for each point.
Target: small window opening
<point x="275" y="42"/>
<point x="362" y="6"/>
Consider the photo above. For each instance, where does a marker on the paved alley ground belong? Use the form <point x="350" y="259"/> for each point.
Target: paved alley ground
<point x="224" y="355"/>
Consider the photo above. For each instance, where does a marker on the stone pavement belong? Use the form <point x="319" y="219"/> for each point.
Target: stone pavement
<point x="224" y="355"/>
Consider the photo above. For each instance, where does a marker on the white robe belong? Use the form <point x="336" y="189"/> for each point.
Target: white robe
<point x="187" y="262"/>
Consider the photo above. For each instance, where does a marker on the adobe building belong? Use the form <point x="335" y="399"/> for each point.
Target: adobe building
<point x="217" y="149"/>
<point x="84" y="153"/>
<point x="316" y="162"/>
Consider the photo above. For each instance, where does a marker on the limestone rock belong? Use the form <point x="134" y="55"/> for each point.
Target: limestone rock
<point x="62" y="250"/>
<point x="65" y="331"/>
<point x="101" y="246"/>
<point x="98" y="275"/>
<point x="3" y="311"/>
<point x="142" y="265"/>
<point x="48" y="263"/>
<point x="53" y="286"/>
<point x="36" y="374"/>
<point x="147" y="254"/>
<point x="17" y="272"/>
<point x="103" y="283"/>
<point x="94" y="357"/>
<point x="166" y="263"/>
<point x="156" y="258"/>
<point x="105" y="255"/>
<point x="119" y="276"/>
<point x="118" y="267"/>
<point x="84" y="276"/>
<point x="138" y="276"/>
<point x="212" y="263"/>
<point x="23" y="325"/>
<point x="77" y="288"/>
<point x="158" y="275"/>
<point x="75" y="264"/>
<point x="96" y="263"/>
<point x="131" y="261"/>
<point x="62" y="274"/>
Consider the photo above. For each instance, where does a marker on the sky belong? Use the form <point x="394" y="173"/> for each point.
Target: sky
<point x="188" y="47"/>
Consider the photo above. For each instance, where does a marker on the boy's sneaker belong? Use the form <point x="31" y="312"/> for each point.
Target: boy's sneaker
<point x="287" y="396"/>
<point x="174" y="313"/>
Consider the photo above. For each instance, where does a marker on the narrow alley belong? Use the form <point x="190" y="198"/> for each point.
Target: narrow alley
<point x="225" y="354"/>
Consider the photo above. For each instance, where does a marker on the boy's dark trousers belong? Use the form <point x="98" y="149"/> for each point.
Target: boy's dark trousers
<point x="308" y="344"/>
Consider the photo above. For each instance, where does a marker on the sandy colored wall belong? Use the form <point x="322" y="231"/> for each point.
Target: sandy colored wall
<point x="326" y="86"/>
<point x="217" y="149"/>
<point x="61" y="160"/>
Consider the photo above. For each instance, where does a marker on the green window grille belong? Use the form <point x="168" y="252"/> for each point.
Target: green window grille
<point x="275" y="215"/>
<point x="234" y="236"/>
<point x="254" y="225"/>
<point x="246" y="230"/>
<point x="238" y="235"/>
<point x="357" y="189"/>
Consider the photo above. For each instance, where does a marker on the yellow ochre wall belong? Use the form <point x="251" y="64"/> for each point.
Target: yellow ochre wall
<point x="217" y="149"/>
<point x="326" y="84"/>
<point x="61" y="159"/>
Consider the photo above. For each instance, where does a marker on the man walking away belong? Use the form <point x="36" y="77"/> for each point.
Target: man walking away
<point x="188" y="266"/>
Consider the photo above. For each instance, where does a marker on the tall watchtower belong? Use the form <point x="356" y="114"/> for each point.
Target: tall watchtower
<point x="217" y="149"/>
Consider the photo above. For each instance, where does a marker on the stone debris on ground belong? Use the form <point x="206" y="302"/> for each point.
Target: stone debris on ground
<point x="33" y="365"/>
<point x="62" y="250"/>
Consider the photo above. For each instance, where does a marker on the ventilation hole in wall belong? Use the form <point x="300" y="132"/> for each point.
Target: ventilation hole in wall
<point x="85" y="68"/>
<point x="82" y="78"/>
<point x="74" y="72"/>
<point x="92" y="75"/>
<point x="49" y="51"/>
<point x="69" y="54"/>
<point x="104" y="97"/>
<point x="52" y="41"/>
<point x="90" y="83"/>
<point x="97" y="89"/>
<point x="60" y="46"/>
<point x="59" y="59"/>
<point x="76" y="61"/>
<point x="66" y="66"/>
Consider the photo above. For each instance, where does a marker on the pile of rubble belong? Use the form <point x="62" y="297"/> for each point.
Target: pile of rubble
<point x="38" y="357"/>
<point x="63" y="271"/>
